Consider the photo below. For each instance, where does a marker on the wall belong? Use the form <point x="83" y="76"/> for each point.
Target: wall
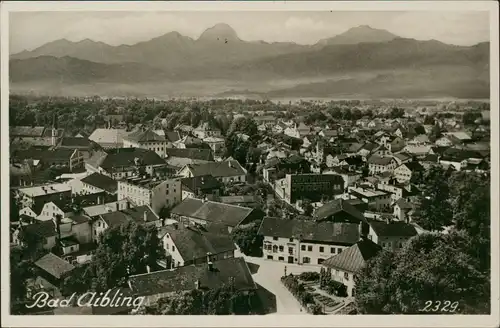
<point x="82" y="232"/>
<point x="168" y="193"/>
<point x="389" y="242"/>
<point x="98" y="227"/>
<point x="347" y="278"/>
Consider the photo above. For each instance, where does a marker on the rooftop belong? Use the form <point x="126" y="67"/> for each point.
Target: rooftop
<point x="54" y="265"/>
<point x="136" y="214"/>
<point x="192" y="153"/>
<point x="202" y="182"/>
<point x="45" y="189"/>
<point x="185" y="278"/>
<point x="366" y="192"/>
<point x="101" y="181"/>
<point x="108" y="136"/>
<point x="144" y="136"/>
<point x="337" y="206"/>
<point x="227" y="168"/>
<point x="377" y="160"/>
<point x="353" y="258"/>
<point x="393" y="228"/>
<point x="328" y="232"/>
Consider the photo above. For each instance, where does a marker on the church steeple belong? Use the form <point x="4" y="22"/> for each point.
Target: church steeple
<point x="54" y="131"/>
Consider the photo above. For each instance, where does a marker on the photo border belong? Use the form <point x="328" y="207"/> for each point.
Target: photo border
<point x="491" y="320"/>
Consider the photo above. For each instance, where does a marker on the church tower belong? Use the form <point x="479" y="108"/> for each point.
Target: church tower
<point x="54" y="132"/>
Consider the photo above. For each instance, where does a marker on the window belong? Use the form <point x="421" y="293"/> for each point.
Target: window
<point x="281" y="258"/>
<point x="291" y="240"/>
<point x="346" y="275"/>
<point x="332" y="250"/>
<point x="173" y="248"/>
<point x="339" y="250"/>
<point x="275" y="238"/>
<point x="321" y="249"/>
<point x="168" y="246"/>
<point x="305" y="259"/>
<point x="269" y="257"/>
<point x="282" y="248"/>
<point x="303" y="247"/>
<point x="309" y="248"/>
<point x="320" y="261"/>
<point x="290" y="250"/>
<point x="275" y="249"/>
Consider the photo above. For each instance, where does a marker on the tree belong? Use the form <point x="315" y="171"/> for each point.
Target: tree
<point x="431" y="267"/>
<point x="248" y="239"/>
<point x="79" y="280"/>
<point x="308" y="208"/>
<point x="397" y="112"/>
<point x="244" y="125"/>
<point x="435" y="208"/>
<point x="436" y="133"/>
<point x="21" y="270"/>
<point x="123" y="250"/>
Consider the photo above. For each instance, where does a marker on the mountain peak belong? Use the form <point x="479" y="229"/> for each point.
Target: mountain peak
<point x="360" y="34"/>
<point x="219" y="32"/>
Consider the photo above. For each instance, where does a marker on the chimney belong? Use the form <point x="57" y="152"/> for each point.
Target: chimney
<point x="148" y="268"/>
<point x="197" y="284"/>
<point x="229" y="164"/>
<point x="98" y="200"/>
<point x="209" y="259"/>
<point x="145" y="216"/>
<point x="387" y="220"/>
<point x="210" y="266"/>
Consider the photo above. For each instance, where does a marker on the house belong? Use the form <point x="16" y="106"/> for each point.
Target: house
<point x="193" y="211"/>
<point x="329" y="135"/>
<point x="94" y="211"/>
<point x="188" y="142"/>
<point x="390" y="234"/>
<point x="125" y="162"/>
<point x="404" y="172"/>
<point x="140" y="214"/>
<point x="36" y="197"/>
<point x="304" y="241"/>
<point x="376" y="199"/>
<point x="402" y="158"/>
<point x="22" y="173"/>
<point x="205" y="130"/>
<point x="156" y="193"/>
<point x="397" y="144"/>
<point x="367" y="149"/>
<point x="227" y="171"/>
<point x="311" y="186"/>
<point x="200" y="187"/>
<point x="44" y="231"/>
<point x="206" y="276"/>
<point x="189" y="245"/>
<point x="51" y="209"/>
<point x="38" y="136"/>
<point x="350" y="177"/>
<point x="51" y="271"/>
<point x="108" y="138"/>
<point x="461" y="136"/>
<point x="180" y="157"/>
<point x="419" y="151"/>
<point x="279" y="128"/>
<point x="244" y="200"/>
<point x="377" y="164"/>
<point x="402" y="209"/>
<point x="339" y="210"/>
<point x="216" y="144"/>
<point x="346" y="265"/>
<point x="146" y="139"/>
<point x="97" y="182"/>
<point x="61" y="158"/>
<point x="420" y="140"/>
<point x="458" y="158"/>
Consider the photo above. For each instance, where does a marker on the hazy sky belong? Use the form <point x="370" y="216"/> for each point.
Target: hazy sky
<point x="29" y="30"/>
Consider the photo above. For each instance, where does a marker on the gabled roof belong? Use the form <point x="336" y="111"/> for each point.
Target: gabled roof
<point x="185" y="278"/>
<point x="136" y="214"/>
<point x="76" y="142"/>
<point x="26" y="131"/>
<point x="215" y="212"/>
<point x="202" y="182"/>
<point x="403" y="204"/>
<point x="192" y="153"/>
<point x="44" y="229"/>
<point x="119" y="157"/>
<point x="380" y="160"/>
<point x="54" y="265"/>
<point x="329" y="232"/>
<point x="144" y="136"/>
<point x="108" y="136"/>
<point x="195" y="243"/>
<point x="337" y="206"/>
<point x="414" y="166"/>
<point x="393" y="228"/>
<point x="353" y="258"/>
<point x="101" y="181"/>
<point x="228" y="168"/>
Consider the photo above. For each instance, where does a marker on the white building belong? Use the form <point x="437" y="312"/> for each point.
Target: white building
<point x="146" y="139"/>
<point x="150" y="191"/>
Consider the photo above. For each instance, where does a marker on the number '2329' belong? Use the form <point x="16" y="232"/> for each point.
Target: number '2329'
<point x="438" y="306"/>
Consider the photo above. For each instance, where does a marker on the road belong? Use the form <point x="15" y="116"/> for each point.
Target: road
<point x="269" y="275"/>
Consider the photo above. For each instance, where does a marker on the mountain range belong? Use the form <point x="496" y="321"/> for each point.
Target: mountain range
<point x="223" y="63"/>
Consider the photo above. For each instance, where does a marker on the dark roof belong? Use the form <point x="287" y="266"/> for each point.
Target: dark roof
<point x="231" y="215"/>
<point x="192" y="153"/>
<point x="240" y="199"/>
<point x="403" y="156"/>
<point x="132" y="214"/>
<point x="47" y="133"/>
<point x="124" y="157"/>
<point x="26" y="131"/>
<point x="331" y="232"/>
<point x="54" y="265"/>
<point x="336" y="206"/>
<point x="353" y="258"/>
<point x="172" y="136"/>
<point x="454" y="154"/>
<point x="393" y="228"/>
<point x="101" y="181"/>
<point x="193" y="243"/>
<point x="43" y="229"/>
<point x="403" y="204"/>
<point x="184" y="278"/>
<point x="202" y="182"/>
<point x="414" y="166"/>
<point x="379" y="160"/>
<point x="45" y="155"/>
<point x="226" y="168"/>
<point x="144" y="136"/>
<point x="75" y="142"/>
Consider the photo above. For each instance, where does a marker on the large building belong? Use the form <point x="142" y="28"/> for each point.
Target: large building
<point x="146" y="139"/>
<point x="37" y="196"/>
<point x="126" y="162"/>
<point x="108" y="138"/>
<point x="227" y="171"/>
<point x="311" y="186"/>
<point x="151" y="191"/>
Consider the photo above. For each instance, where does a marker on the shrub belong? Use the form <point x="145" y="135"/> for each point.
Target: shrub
<point x="309" y="276"/>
